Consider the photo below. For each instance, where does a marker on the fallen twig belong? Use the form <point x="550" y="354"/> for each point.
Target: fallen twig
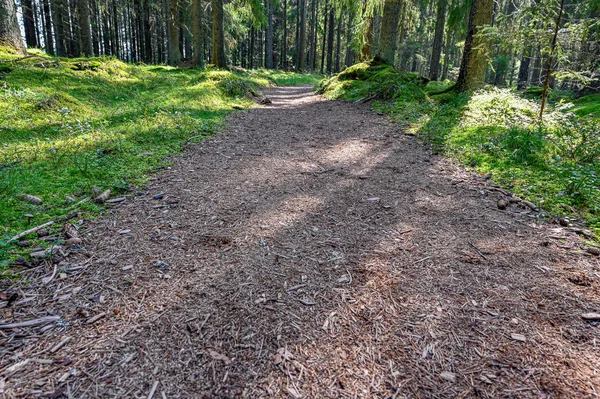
<point x="29" y="323"/>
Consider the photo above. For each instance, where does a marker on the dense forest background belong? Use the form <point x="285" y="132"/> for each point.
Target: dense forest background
<point x="527" y="38"/>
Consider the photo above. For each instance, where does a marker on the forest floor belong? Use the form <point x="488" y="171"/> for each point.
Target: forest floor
<point x="311" y="250"/>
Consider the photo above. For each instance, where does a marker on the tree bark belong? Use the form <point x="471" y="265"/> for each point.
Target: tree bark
<point x="551" y="58"/>
<point x="338" y="44"/>
<point x="29" y="23"/>
<point x="474" y="63"/>
<point x="389" y="31"/>
<point x="269" y="64"/>
<point x="48" y="38"/>
<point x="313" y="42"/>
<point x="438" y="40"/>
<point x="301" y="65"/>
<point x="330" y="34"/>
<point x="10" y="33"/>
<point x="149" y="56"/>
<point x="367" y="46"/>
<point x="325" y="14"/>
<point x="85" y="29"/>
<point x="218" y="35"/>
<point x="285" y="38"/>
<point x="174" y="51"/>
<point x="523" y="77"/>
<point x="198" y="48"/>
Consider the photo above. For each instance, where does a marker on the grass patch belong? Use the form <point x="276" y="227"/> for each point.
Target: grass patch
<point x="69" y="125"/>
<point x="555" y="164"/>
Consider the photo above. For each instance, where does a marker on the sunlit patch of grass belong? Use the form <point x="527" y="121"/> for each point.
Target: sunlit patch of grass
<point x="68" y="125"/>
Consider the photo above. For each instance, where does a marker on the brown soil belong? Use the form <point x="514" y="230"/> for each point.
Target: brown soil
<point x="311" y="250"/>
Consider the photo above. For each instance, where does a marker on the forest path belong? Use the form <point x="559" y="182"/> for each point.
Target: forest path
<point x="314" y="250"/>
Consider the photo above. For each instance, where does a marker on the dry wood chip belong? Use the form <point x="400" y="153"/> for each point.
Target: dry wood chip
<point x="448" y="376"/>
<point x="60" y="344"/>
<point x="591" y="316"/>
<point x="102" y="197"/>
<point x="218" y="356"/>
<point x="307" y="301"/>
<point x="32" y="199"/>
<point x="518" y="337"/>
<point x="95" y="318"/>
<point x="153" y="389"/>
<point x="294" y="392"/>
<point x="115" y="200"/>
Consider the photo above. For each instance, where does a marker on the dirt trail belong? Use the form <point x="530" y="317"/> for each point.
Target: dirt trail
<point x="311" y="250"/>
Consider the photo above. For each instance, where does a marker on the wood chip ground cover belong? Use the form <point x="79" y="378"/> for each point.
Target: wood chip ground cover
<point x="311" y="250"/>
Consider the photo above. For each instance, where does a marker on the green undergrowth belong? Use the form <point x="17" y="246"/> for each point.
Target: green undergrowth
<point x="69" y="125"/>
<point x="555" y="164"/>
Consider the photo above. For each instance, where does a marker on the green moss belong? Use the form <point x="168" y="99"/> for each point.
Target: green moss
<point x="587" y="106"/>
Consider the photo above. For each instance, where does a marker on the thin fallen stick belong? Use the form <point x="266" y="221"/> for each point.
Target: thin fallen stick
<point x="60" y="345"/>
<point x="47" y="280"/>
<point x="29" y="323"/>
<point x="41" y="226"/>
<point x="32" y="230"/>
<point x="95" y="318"/>
<point x="154" y="386"/>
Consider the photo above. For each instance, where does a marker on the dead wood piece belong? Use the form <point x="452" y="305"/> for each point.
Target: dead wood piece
<point x="62" y="343"/>
<point x="30" y="231"/>
<point x="116" y="200"/>
<point x="30" y="323"/>
<point x="32" y="199"/>
<point x="94" y="319"/>
<point x="591" y="316"/>
<point x="583" y="232"/>
<point x="102" y="197"/>
<point x="153" y="390"/>
<point x="42" y="226"/>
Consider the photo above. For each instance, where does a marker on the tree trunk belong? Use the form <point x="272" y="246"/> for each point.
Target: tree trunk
<point x="251" y="48"/>
<point x="312" y="39"/>
<point x="474" y="62"/>
<point x="116" y="41"/>
<point x="10" y="33"/>
<point x="301" y="66"/>
<point x="338" y="44"/>
<point x="389" y="31"/>
<point x="523" y="77"/>
<point x="325" y="12"/>
<point x="95" y="25"/>
<point x="174" y="51"/>
<point x="438" y="38"/>
<point x="149" y="57"/>
<point x="269" y="39"/>
<point x="285" y="37"/>
<point x="367" y="46"/>
<point x="349" y="60"/>
<point x="330" y="34"/>
<point x="551" y="58"/>
<point x="198" y="48"/>
<point x="73" y="43"/>
<point x="447" y="53"/>
<point x="49" y="43"/>
<point x="29" y="23"/>
<point x="85" y="29"/>
<point x="218" y="35"/>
